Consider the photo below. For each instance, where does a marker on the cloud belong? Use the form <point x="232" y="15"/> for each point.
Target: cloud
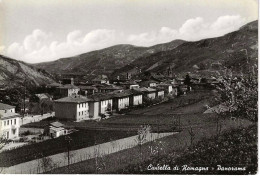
<point x="191" y="30"/>
<point x="40" y="46"/>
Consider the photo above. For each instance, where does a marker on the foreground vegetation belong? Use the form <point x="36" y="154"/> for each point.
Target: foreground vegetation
<point x="80" y="139"/>
<point x="237" y="148"/>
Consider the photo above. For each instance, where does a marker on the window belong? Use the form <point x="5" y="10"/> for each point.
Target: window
<point x="7" y="122"/>
<point x="15" y="121"/>
<point x="4" y="123"/>
<point x="11" y="122"/>
<point x="82" y="113"/>
<point x="79" y="113"/>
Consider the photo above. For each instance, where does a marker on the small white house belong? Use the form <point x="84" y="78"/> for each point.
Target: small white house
<point x="57" y="129"/>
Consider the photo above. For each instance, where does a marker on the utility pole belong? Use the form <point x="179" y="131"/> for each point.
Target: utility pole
<point x="68" y="139"/>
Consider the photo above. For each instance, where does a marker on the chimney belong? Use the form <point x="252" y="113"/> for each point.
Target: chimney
<point x="71" y="81"/>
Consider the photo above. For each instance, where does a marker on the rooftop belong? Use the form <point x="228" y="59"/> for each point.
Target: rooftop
<point x="74" y="99"/>
<point x="56" y="124"/>
<point x="9" y="115"/>
<point x="98" y="97"/>
<point x="5" y="106"/>
<point x="68" y="86"/>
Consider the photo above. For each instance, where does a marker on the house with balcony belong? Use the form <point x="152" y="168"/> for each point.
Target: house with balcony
<point x="9" y="122"/>
<point x="73" y="108"/>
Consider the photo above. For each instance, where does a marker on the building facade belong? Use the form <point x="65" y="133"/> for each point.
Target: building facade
<point x="74" y="108"/>
<point x="9" y="122"/>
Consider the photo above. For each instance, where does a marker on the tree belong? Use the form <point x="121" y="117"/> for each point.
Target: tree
<point x="239" y="94"/>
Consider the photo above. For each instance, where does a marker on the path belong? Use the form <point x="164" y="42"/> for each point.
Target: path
<point x="60" y="160"/>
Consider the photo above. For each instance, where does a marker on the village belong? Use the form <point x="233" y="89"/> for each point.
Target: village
<point x="98" y="99"/>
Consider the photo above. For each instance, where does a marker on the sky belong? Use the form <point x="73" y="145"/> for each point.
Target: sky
<point x="44" y="30"/>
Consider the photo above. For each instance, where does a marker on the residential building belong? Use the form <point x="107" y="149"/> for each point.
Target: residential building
<point x="160" y="92"/>
<point x="9" y="122"/>
<point x="121" y="100"/>
<point x="100" y="105"/>
<point x="129" y="84"/>
<point x="101" y="79"/>
<point x="57" y="129"/>
<point x="149" y="83"/>
<point x="73" y="108"/>
<point x="136" y="97"/>
<point x="42" y="97"/>
<point x="148" y="92"/>
<point x="109" y="88"/>
<point x="67" y="90"/>
<point x="4" y="108"/>
<point x="88" y="90"/>
<point x="167" y="87"/>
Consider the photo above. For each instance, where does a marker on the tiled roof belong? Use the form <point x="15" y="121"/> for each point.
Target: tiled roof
<point x="98" y="97"/>
<point x="118" y="94"/>
<point x="73" y="99"/>
<point x="5" y="106"/>
<point x="111" y="88"/>
<point x="87" y="87"/>
<point x="145" y="89"/>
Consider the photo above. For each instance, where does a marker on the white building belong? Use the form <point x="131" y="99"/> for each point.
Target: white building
<point x="9" y="122"/>
<point x="74" y="108"/>
<point x="137" y="100"/>
<point x="57" y="129"/>
<point x="121" y="100"/>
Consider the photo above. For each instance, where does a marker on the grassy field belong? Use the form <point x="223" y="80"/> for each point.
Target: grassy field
<point x="117" y="162"/>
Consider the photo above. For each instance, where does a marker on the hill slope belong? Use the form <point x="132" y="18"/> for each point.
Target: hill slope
<point x="14" y="73"/>
<point x="104" y="61"/>
<point x="204" y="57"/>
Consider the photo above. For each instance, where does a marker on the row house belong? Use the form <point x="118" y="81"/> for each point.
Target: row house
<point x="9" y="122"/>
<point x="167" y="87"/>
<point x="100" y="105"/>
<point x="160" y="92"/>
<point x="73" y="108"/>
<point x="136" y="98"/>
<point x="148" y="92"/>
<point x="110" y="88"/>
<point x="121" y="100"/>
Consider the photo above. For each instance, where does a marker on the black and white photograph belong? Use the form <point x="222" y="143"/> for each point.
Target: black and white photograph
<point x="129" y="87"/>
